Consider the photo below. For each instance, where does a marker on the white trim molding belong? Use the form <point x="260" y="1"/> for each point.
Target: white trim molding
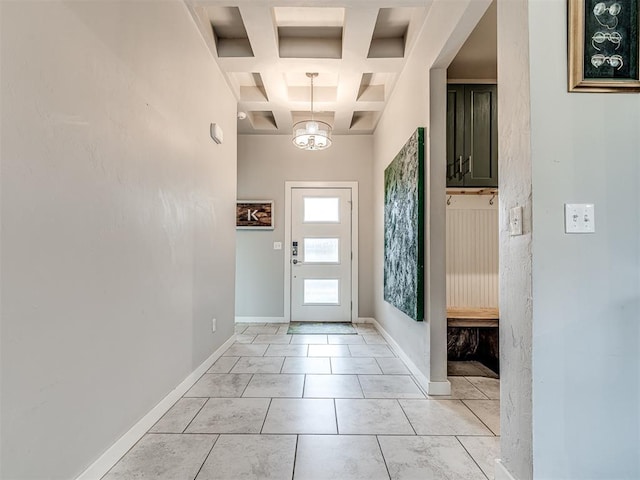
<point x="355" y="227"/>
<point x="431" y="388"/>
<point x="261" y="320"/>
<point x="501" y="472"/>
<point x="108" y="459"/>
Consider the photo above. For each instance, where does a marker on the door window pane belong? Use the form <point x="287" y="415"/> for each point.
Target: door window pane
<point x="321" y="291"/>
<point x="321" y="250"/>
<point x="321" y="209"/>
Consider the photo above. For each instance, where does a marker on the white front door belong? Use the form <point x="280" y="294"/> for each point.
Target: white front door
<point x="321" y="256"/>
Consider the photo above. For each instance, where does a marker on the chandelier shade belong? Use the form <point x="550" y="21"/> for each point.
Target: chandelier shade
<point x="312" y="134"/>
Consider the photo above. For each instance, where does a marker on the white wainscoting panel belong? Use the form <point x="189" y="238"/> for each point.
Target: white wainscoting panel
<point x="472" y="251"/>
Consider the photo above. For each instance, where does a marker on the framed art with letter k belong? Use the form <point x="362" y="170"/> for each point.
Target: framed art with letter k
<point x="254" y="214"/>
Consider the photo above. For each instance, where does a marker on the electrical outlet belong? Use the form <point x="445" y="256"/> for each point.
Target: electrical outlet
<point x="213" y="324"/>
<point x="277" y="245"/>
<point x="515" y="221"/>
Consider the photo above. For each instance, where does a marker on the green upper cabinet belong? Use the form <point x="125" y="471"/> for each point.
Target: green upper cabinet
<point x="472" y="136"/>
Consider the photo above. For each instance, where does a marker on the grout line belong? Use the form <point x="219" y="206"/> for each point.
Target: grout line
<point x="194" y="417"/>
<point x="265" y="416"/>
<point x="383" y="457"/>
<point x="207" y="456"/>
<point x="295" y="457"/>
<point x="472" y="457"/>
<point x="335" y="415"/>
<point x="407" y="417"/>
<point x="481" y="421"/>
<point x="246" y="386"/>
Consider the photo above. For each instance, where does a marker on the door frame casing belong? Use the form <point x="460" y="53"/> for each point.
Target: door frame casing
<point x="288" y="188"/>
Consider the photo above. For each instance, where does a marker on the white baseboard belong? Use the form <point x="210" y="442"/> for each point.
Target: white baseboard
<point x="261" y="320"/>
<point x="431" y="388"/>
<point x="102" y="465"/>
<point x="501" y="472"/>
<point x="364" y="320"/>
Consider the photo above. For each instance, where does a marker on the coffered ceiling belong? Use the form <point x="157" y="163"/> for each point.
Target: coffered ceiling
<point x="265" y="48"/>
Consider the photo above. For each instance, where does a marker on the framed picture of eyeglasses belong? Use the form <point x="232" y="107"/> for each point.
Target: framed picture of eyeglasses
<point x="603" y="46"/>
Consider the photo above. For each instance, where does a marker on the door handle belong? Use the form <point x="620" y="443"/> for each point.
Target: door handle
<point x="295" y="261"/>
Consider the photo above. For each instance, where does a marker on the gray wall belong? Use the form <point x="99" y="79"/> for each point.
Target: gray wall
<point x="586" y="288"/>
<point x="265" y="162"/>
<point x="419" y="99"/>
<point x="118" y="239"/>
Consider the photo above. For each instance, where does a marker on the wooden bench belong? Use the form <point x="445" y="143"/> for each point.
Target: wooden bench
<point x="472" y="317"/>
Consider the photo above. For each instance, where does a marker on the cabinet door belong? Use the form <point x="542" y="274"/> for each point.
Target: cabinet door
<point x="480" y="163"/>
<point x="455" y="135"/>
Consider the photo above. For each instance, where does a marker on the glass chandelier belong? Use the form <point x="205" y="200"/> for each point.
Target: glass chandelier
<point x="312" y="134"/>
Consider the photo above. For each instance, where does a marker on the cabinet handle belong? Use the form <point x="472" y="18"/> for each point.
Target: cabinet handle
<point x="459" y="167"/>
<point x="468" y="169"/>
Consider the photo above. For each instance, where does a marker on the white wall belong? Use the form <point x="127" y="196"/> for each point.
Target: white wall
<point x="265" y="162"/>
<point x="118" y="234"/>
<point x="586" y="288"/>
<point x="419" y="99"/>
<point x="514" y="175"/>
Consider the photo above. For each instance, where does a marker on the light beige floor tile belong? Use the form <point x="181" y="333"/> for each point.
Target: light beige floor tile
<point x="343" y="457"/>
<point x="301" y="415"/>
<point x="433" y="458"/>
<point x="266" y="330"/>
<point x="489" y="386"/>
<point x="389" y="386"/>
<point x="240" y="328"/>
<point x="179" y="416"/>
<point x="250" y="457"/>
<point x="275" y="385"/>
<point x="306" y="365"/>
<point x="282" y="330"/>
<point x="273" y="339"/>
<point x="244" y="338"/>
<point x="219" y="385"/>
<point x="442" y="417"/>
<point x="329" y="351"/>
<point x="374" y="339"/>
<point x="461" y="389"/>
<point x="286" y="351"/>
<point x="309" y="339"/>
<point x="223" y="365"/>
<point x="231" y="415"/>
<point x="370" y="351"/>
<point x="488" y="411"/>
<point x="332" y="386"/>
<point x="258" y="365"/>
<point x="392" y="366"/>
<point x="371" y="417"/>
<point x="163" y="457"/>
<point x="345" y="339"/>
<point x="366" y="328"/>
<point x="485" y="451"/>
<point x="355" y="365"/>
<point x="240" y="350"/>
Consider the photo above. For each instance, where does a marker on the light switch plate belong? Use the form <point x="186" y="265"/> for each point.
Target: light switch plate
<point x="277" y="245"/>
<point x="579" y="218"/>
<point x="515" y="221"/>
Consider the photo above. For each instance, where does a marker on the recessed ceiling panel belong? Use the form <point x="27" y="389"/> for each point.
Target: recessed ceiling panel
<point x="320" y="94"/>
<point x="251" y="87"/>
<point x="299" y="116"/>
<point x="263" y="120"/>
<point x="369" y="91"/>
<point x="310" y="42"/>
<point x="364" y="121"/>
<point x="229" y="32"/>
<point x="390" y="33"/>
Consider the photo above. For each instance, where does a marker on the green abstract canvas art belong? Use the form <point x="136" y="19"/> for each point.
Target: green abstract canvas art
<point x="404" y="229"/>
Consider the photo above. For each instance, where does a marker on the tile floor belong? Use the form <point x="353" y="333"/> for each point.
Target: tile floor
<point x="279" y="406"/>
